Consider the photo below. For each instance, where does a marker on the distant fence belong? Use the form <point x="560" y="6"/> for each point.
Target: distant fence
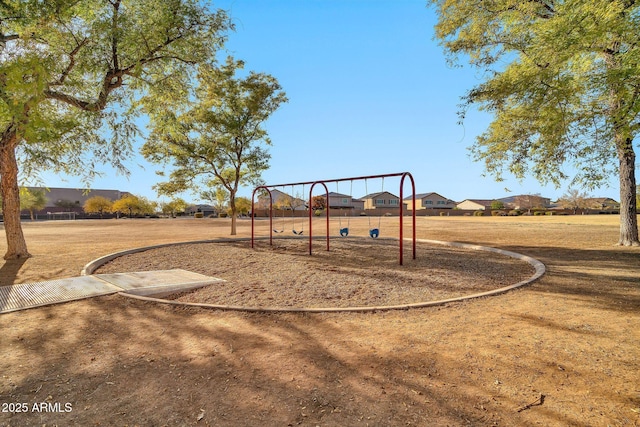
<point x="277" y="213"/>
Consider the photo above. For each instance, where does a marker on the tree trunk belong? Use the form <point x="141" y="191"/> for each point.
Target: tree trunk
<point x="628" y="207"/>
<point x="16" y="244"/>
<point x="232" y="207"/>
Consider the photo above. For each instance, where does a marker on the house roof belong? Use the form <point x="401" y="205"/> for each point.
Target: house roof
<point x="334" y="194"/>
<point x="374" y="195"/>
<point x="483" y="202"/>
<point x="423" y="195"/>
<point x="601" y="199"/>
<point x="512" y="199"/>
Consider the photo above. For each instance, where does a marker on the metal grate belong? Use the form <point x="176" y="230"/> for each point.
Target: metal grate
<point x="27" y="295"/>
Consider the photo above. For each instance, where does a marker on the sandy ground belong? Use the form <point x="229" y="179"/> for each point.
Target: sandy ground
<point x="561" y="352"/>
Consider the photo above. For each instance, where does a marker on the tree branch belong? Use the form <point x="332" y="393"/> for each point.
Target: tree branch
<point x="6" y="38"/>
<point x="547" y="6"/>
<point x="114" y="28"/>
<point x="112" y="81"/>
<point x="72" y="63"/>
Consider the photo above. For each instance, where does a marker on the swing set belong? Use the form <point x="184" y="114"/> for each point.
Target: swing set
<point x="374" y="232"/>
<point x="293" y="207"/>
<point x="344" y="231"/>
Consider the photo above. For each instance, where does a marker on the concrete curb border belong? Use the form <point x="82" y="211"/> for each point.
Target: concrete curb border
<point x="539" y="267"/>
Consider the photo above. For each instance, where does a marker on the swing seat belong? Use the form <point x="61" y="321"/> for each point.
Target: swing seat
<point x="298" y="233"/>
<point x="277" y="231"/>
<point x="374" y="233"/>
<point x="344" y="232"/>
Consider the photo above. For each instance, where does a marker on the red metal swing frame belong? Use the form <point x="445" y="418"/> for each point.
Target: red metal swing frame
<point x="324" y="182"/>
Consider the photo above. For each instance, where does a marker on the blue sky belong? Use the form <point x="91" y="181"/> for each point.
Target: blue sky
<point x="369" y="93"/>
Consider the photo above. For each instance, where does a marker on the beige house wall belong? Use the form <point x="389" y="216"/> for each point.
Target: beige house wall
<point x="471" y="205"/>
<point x="430" y="201"/>
<point x="343" y="201"/>
<point x="381" y="200"/>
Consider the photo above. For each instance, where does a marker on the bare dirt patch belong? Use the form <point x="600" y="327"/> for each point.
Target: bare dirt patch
<point x="354" y="273"/>
<point x="561" y="352"/>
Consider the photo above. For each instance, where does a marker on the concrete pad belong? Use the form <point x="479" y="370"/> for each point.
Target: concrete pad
<point x="157" y="283"/>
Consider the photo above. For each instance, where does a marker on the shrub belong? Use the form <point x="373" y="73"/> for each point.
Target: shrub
<point x="548" y="213"/>
<point x="538" y="213"/>
<point x="444" y="213"/>
<point x="514" y="212"/>
<point x="198" y="215"/>
<point x="478" y="213"/>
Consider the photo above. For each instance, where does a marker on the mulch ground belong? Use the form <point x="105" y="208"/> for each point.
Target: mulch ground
<point x="354" y="273"/>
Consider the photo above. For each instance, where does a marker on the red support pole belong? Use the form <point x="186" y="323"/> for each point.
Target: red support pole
<point x="413" y="210"/>
<point x="253" y="196"/>
<point x="311" y="212"/>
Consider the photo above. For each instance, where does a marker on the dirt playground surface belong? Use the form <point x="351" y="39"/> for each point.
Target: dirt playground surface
<point x="354" y="273"/>
<point x="561" y="352"/>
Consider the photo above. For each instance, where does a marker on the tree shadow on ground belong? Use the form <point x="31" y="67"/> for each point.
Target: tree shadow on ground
<point x="129" y="362"/>
<point x="9" y="271"/>
<point x="119" y="361"/>
<point x="606" y="278"/>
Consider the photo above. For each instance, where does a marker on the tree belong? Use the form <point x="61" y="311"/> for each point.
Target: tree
<point x="71" y="74"/>
<point x="148" y="207"/>
<point x="283" y="201"/>
<point x="563" y="84"/>
<point x="98" y="204"/>
<point x="318" y="203"/>
<point x="497" y="204"/>
<point x="218" y="197"/>
<point x="217" y="140"/>
<point x="133" y="205"/>
<point x="293" y="202"/>
<point x="32" y="200"/>
<point x="174" y="207"/>
<point x="529" y="201"/>
<point x="243" y="205"/>
<point x="574" y="199"/>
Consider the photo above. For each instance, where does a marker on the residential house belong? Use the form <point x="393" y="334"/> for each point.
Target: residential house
<point x="602" y="203"/>
<point x="526" y="201"/>
<point x="343" y="201"/>
<point x="282" y="200"/>
<point x="476" y="204"/>
<point x="382" y="199"/>
<point x="429" y="201"/>
<point x="205" y="210"/>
